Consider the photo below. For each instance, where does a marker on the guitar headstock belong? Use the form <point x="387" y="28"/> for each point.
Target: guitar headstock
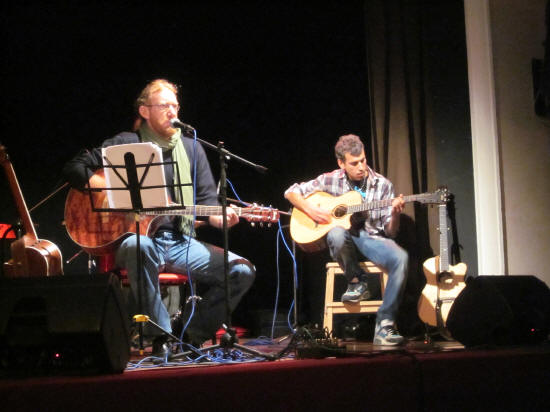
<point x="3" y="154"/>
<point x="260" y="214"/>
<point x="440" y="196"/>
<point x="444" y="194"/>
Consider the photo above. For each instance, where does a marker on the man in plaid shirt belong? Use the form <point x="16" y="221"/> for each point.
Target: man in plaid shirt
<point x="372" y="240"/>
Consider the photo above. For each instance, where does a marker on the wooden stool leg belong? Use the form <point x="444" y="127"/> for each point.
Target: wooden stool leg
<point x="329" y="297"/>
<point x="333" y="307"/>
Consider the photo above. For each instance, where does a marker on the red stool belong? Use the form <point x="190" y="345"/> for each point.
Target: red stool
<point x="106" y="263"/>
<point x="6" y="231"/>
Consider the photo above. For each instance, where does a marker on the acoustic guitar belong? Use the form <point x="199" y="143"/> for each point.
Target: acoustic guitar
<point x="444" y="282"/>
<point x="310" y="235"/>
<point x="100" y="233"/>
<point x="30" y="256"/>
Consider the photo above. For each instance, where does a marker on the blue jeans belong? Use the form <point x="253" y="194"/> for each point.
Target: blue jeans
<point x="348" y="250"/>
<point x="204" y="264"/>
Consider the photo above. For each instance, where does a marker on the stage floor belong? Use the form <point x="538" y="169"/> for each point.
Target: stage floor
<point x="416" y="376"/>
<point x="280" y="349"/>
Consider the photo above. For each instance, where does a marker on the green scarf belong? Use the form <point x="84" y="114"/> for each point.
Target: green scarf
<point x="179" y="155"/>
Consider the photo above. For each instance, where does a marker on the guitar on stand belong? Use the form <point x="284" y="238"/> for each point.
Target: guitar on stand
<point x="30" y="256"/>
<point x="444" y="282"/>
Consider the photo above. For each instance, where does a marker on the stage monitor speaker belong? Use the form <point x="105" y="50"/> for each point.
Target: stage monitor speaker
<point x="63" y="325"/>
<point x="501" y="310"/>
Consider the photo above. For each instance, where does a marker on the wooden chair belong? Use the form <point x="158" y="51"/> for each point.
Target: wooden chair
<point x="333" y="306"/>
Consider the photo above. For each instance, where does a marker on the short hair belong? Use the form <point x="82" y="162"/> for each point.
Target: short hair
<point x="151" y="88"/>
<point x="348" y="143"/>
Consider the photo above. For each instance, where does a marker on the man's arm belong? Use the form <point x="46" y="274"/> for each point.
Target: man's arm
<point x="80" y="170"/>
<point x="392" y="227"/>
<point x="316" y="213"/>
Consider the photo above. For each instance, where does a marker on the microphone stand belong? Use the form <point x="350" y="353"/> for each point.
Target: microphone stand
<point x="229" y="339"/>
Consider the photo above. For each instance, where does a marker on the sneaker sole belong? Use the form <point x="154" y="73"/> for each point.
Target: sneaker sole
<point x="384" y="342"/>
<point x="364" y="296"/>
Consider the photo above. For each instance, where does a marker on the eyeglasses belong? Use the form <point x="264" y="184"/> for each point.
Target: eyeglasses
<point x="165" y="106"/>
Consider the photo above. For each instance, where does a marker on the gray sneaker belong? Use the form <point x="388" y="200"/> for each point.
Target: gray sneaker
<point x="356" y="292"/>
<point x="385" y="333"/>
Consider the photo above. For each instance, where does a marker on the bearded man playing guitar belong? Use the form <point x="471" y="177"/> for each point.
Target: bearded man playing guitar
<point x="369" y="237"/>
<point x="173" y="246"/>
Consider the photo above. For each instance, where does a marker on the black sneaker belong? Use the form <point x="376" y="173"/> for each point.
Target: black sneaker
<point x="356" y="292"/>
<point x="161" y="348"/>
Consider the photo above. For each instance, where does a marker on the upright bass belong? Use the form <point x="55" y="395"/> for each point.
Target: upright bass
<point x="30" y="256"/>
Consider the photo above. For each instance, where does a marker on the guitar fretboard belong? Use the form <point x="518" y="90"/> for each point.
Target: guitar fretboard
<point x="379" y="204"/>
<point x="197" y="210"/>
<point x="443" y="241"/>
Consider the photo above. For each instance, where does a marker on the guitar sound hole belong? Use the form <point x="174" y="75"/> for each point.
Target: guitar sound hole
<point x="446" y="280"/>
<point x="340" y="211"/>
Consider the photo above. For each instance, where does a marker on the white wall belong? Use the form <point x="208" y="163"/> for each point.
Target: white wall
<point x="485" y="139"/>
<point x="518" y="31"/>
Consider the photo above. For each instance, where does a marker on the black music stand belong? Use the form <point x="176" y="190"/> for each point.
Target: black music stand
<point x="135" y="186"/>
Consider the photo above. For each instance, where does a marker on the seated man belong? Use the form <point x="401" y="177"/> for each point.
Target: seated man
<point x="372" y="240"/>
<point x="173" y="246"/>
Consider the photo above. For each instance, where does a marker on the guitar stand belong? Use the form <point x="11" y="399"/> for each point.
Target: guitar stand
<point x="425" y="345"/>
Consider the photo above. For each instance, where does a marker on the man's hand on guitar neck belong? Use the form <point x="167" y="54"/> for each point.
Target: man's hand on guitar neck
<point x="397" y="206"/>
<point x="217" y="221"/>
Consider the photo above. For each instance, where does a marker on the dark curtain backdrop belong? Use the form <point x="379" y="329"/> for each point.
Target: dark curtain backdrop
<point x="277" y="82"/>
<point x="420" y="125"/>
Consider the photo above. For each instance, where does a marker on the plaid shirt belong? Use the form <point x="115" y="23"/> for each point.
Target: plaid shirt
<point x="336" y="183"/>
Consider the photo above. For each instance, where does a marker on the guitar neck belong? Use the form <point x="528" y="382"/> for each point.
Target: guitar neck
<point x="18" y="197"/>
<point x="195" y="210"/>
<point x="380" y="204"/>
<point x="443" y="239"/>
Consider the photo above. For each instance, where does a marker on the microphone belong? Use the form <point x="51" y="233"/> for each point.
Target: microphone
<point x="180" y="125"/>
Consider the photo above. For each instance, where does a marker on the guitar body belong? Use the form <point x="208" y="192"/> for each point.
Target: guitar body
<point x="440" y="291"/>
<point x="30" y="256"/>
<point x="98" y="233"/>
<point x="33" y="258"/>
<point x="310" y="234"/>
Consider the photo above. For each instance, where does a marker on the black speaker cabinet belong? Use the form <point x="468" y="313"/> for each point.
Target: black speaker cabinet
<point x="63" y="325"/>
<point x="501" y="310"/>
